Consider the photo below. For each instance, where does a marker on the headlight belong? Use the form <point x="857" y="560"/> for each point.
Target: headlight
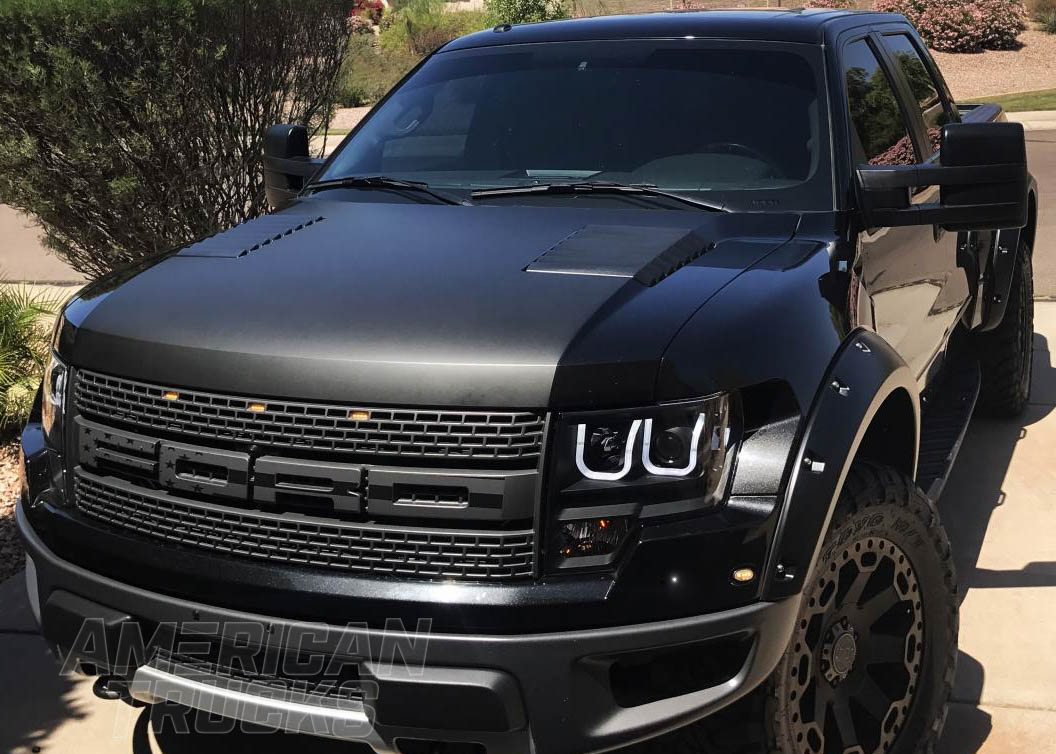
<point x="53" y="400"/>
<point x="611" y="470"/>
<point x="681" y="440"/>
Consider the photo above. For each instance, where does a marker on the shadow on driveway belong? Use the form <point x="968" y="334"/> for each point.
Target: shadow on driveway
<point x="178" y="730"/>
<point x="974" y="491"/>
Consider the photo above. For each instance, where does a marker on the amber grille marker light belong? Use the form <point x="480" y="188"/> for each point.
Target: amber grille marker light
<point x="743" y="575"/>
<point x="359" y="415"/>
<point x="170" y="395"/>
<point x="256" y="408"/>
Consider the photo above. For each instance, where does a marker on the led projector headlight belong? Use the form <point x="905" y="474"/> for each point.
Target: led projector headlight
<point x="613" y="468"/>
<point x="680" y="440"/>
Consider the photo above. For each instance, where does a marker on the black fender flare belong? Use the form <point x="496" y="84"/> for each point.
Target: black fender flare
<point x="1005" y="257"/>
<point x="865" y="372"/>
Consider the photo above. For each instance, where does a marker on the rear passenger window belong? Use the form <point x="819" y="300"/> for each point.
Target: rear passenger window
<point x="921" y="83"/>
<point x="875" y="114"/>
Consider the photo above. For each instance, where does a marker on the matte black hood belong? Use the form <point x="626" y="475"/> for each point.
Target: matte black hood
<point x="420" y="304"/>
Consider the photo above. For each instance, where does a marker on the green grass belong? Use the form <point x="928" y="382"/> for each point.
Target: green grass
<point x="1042" y="99"/>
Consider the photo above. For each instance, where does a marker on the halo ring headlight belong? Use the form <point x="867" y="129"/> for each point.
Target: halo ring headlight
<point x="607" y="476"/>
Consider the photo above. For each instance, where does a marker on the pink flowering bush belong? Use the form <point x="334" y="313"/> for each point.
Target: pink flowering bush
<point x="836" y="4"/>
<point x="368" y="9"/>
<point x="963" y="25"/>
<point x="360" y="25"/>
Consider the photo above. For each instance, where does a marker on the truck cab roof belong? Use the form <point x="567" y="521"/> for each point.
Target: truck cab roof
<point x="807" y="26"/>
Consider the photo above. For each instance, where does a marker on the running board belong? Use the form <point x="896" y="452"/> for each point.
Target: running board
<point x="945" y="413"/>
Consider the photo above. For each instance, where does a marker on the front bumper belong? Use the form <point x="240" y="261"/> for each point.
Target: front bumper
<point x="543" y="692"/>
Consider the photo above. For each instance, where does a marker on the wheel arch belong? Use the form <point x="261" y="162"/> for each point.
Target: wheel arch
<point x="1031" y="228"/>
<point x="1006" y="250"/>
<point x="891" y="437"/>
<point x="867" y="406"/>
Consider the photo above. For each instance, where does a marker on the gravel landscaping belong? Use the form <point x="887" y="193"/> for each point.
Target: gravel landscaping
<point x="11" y="555"/>
<point x="1032" y="66"/>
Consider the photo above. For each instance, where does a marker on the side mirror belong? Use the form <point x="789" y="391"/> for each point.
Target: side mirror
<point x="286" y="163"/>
<point x="982" y="175"/>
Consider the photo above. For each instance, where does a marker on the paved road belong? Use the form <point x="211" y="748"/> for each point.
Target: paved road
<point x="1041" y="150"/>
<point x="22" y="255"/>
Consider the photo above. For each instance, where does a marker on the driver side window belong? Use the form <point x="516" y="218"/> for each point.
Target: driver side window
<point x="877" y="120"/>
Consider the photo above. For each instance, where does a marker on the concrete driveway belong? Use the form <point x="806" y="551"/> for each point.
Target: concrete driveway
<point x="999" y="507"/>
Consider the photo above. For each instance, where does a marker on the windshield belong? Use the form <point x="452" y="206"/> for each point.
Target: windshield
<point x="737" y="123"/>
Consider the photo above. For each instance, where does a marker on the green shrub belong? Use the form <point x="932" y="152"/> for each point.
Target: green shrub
<point x="370" y="71"/>
<point x="420" y="26"/>
<point x="133" y="126"/>
<point x="25" y="331"/>
<point x="1048" y="22"/>
<point x="373" y="65"/>
<point x="526" y="11"/>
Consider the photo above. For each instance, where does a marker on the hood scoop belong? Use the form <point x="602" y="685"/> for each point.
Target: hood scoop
<point x="250" y="236"/>
<point x="647" y="254"/>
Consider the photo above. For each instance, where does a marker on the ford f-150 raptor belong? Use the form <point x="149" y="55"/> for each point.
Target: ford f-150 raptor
<point x="606" y="375"/>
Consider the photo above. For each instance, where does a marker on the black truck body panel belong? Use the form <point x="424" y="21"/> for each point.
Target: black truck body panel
<point x="289" y="423"/>
<point x="362" y="304"/>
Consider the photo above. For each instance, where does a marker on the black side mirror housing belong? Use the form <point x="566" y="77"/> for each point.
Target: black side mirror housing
<point x="287" y="165"/>
<point x="982" y="175"/>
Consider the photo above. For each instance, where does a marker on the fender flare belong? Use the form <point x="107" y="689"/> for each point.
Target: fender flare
<point x="865" y="372"/>
<point x="1006" y="256"/>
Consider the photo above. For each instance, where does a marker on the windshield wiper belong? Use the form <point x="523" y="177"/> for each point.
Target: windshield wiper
<point x="385" y="182"/>
<point x="596" y="187"/>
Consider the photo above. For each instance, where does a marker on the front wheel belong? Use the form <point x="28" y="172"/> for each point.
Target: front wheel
<point x="871" y="662"/>
<point x="870" y="665"/>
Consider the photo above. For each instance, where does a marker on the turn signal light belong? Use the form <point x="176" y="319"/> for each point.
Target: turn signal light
<point x="359" y="416"/>
<point x="256" y="408"/>
<point x="170" y="395"/>
<point x="597" y="536"/>
<point x="743" y="575"/>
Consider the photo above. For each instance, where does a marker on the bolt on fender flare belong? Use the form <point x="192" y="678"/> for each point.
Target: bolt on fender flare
<point x="863" y="374"/>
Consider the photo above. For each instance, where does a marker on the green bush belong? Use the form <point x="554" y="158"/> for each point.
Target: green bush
<point x="526" y="11"/>
<point x="132" y="126"/>
<point x="370" y="71"/>
<point x="420" y="26"/>
<point x="1048" y="22"/>
<point x="373" y="65"/>
<point x="25" y="331"/>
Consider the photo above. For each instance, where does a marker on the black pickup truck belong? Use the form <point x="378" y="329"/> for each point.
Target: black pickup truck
<point x="606" y="375"/>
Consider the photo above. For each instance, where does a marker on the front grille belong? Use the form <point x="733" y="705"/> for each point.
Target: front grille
<point x="302" y="540"/>
<point x="513" y="437"/>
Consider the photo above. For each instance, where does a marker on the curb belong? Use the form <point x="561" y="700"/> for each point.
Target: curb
<point x="1034" y="120"/>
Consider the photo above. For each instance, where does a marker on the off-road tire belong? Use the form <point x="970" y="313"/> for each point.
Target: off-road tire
<point x="1006" y="352"/>
<point x="881" y="511"/>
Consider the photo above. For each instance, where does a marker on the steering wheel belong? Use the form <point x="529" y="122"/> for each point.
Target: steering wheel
<point x="732" y="147"/>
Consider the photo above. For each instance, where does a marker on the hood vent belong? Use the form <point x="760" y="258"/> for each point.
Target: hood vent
<point x="647" y="254"/>
<point x="249" y="236"/>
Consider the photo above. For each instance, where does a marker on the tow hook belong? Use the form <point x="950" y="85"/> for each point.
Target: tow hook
<point x="111" y="687"/>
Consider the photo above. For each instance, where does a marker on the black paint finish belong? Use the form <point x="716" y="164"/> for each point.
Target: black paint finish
<point x="363" y="298"/>
<point x="411" y="304"/>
